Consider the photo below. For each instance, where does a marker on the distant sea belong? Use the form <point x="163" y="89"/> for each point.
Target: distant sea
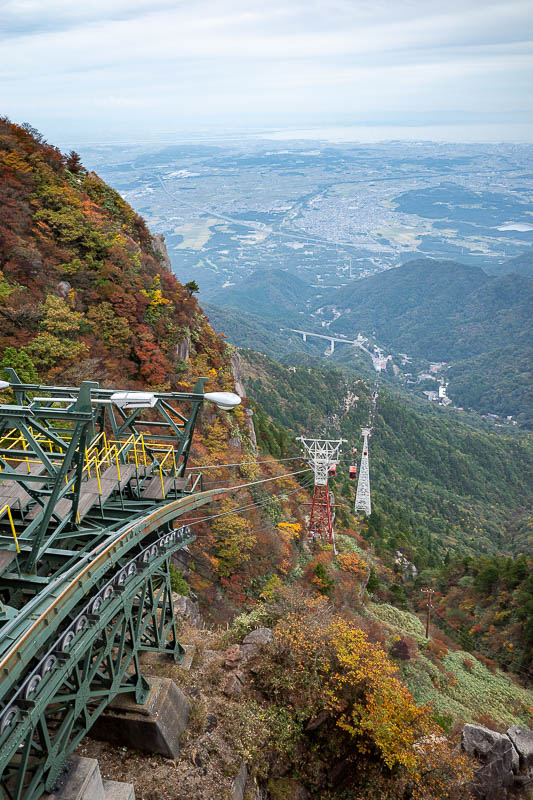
<point x="471" y="133"/>
<point x="497" y="133"/>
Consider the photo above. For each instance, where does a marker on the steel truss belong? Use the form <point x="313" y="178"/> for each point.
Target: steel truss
<point x="58" y="693"/>
<point x="73" y="456"/>
<point x="362" y="496"/>
<point x="88" y="497"/>
<point x="321" y="455"/>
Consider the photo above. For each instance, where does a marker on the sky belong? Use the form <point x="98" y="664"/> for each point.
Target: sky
<point x="136" y="68"/>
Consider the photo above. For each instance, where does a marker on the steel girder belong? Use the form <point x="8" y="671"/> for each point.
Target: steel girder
<point x="77" y="644"/>
<point x="57" y="434"/>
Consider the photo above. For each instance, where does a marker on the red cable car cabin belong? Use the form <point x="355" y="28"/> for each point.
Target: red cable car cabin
<point x="352" y="472"/>
<point x="332" y="470"/>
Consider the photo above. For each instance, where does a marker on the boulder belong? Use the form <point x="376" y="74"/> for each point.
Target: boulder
<point x="522" y="739"/>
<point x="483" y="743"/>
<point x="252" y="644"/>
<point x="498" y="757"/>
<point x="233" y="656"/>
<point x="184" y="607"/>
<point x="234" y="683"/>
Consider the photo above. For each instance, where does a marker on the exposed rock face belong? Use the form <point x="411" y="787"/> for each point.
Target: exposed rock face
<point x="182" y="560"/>
<point x="238" y="374"/>
<point x="249" y="414"/>
<point x="183" y="349"/>
<point x="349" y="401"/>
<point x="239" y="784"/>
<point x="506" y="759"/>
<point x="185" y="607"/>
<point x="522" y="739"/>
<point x="405" y="567"/>
<point x="235" y="442"/>
<point x="63" y="288"/>
<point x="160" y="249"/>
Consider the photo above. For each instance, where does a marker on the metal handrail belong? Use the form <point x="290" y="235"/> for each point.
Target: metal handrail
<point x="13" y="531"/>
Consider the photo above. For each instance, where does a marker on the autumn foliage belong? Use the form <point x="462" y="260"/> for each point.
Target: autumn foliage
<point x="343" y="687"/>
<point x="83" y="291"/>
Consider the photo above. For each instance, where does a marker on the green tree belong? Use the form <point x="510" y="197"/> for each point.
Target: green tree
<point x="192" y="288"/>
<point x="373" y="582"/>
<point x="20" y="361"/>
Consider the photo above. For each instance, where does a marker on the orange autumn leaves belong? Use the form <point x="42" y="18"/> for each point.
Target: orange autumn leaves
<point x="356" y="684"/>
<point x="322" y="664"/>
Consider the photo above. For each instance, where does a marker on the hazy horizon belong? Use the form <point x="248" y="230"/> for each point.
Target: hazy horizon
<point x="455" y="71"/>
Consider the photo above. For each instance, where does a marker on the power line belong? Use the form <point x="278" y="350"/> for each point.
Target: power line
<point x="244" y="508"/>
<point x="245" y="463"/>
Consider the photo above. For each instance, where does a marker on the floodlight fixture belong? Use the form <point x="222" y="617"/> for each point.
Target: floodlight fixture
<point x="224" y="400"/>
<point x="4" y="385"/>
<point x="128" y="400"/>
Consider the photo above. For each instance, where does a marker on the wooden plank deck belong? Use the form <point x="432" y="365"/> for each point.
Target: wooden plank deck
<point x="12" y="492"/>
<point x="90" y="494"/>
<point x="154" y="491"/>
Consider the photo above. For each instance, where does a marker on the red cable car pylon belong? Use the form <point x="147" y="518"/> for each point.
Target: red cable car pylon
<point x="323" y="457"/>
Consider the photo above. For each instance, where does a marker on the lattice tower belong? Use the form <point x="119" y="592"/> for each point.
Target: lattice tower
<point x="362" y="497"/>
<point x="321" y="455"/>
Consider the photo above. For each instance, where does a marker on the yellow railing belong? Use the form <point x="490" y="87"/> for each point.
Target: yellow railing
<point x="101" y="453"/>
<point x="13" y="531"/>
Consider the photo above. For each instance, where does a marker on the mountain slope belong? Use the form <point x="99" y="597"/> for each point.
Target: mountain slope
<point x="251" y="331"/>
<point x="85" y="290"/>
<point x="274" y="294"/>
<point x="438" y="310"/>
<point x="521" y="265"/>
<point x="438" y="483"/>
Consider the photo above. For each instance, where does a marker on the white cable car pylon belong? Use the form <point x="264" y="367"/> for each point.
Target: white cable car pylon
<point x="362" y="496"/>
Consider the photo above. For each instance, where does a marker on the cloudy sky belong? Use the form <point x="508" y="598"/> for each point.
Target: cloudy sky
<point x="138" y="66"/>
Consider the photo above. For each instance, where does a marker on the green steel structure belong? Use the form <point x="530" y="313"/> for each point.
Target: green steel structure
<point x="92" y="482"/>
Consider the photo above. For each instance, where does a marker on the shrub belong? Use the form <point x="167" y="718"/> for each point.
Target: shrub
<point x="400" y="650"/>
<point x="178" y="582"/>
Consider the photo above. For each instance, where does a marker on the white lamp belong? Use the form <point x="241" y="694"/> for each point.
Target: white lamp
<point x="4" y="385"/>
<point x="134" y="399"/>
<point x="224" y="400"/>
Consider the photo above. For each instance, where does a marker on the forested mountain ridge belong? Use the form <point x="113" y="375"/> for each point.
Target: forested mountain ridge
<point x="438" y="486"/>
<point x="521" y="265"/>
<point x="439" y="310"/>
<point x="84" y="290"/>
<point x="481" y="325"/>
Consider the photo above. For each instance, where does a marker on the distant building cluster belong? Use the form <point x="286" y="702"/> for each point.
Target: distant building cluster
<point x="439" y="396"/>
